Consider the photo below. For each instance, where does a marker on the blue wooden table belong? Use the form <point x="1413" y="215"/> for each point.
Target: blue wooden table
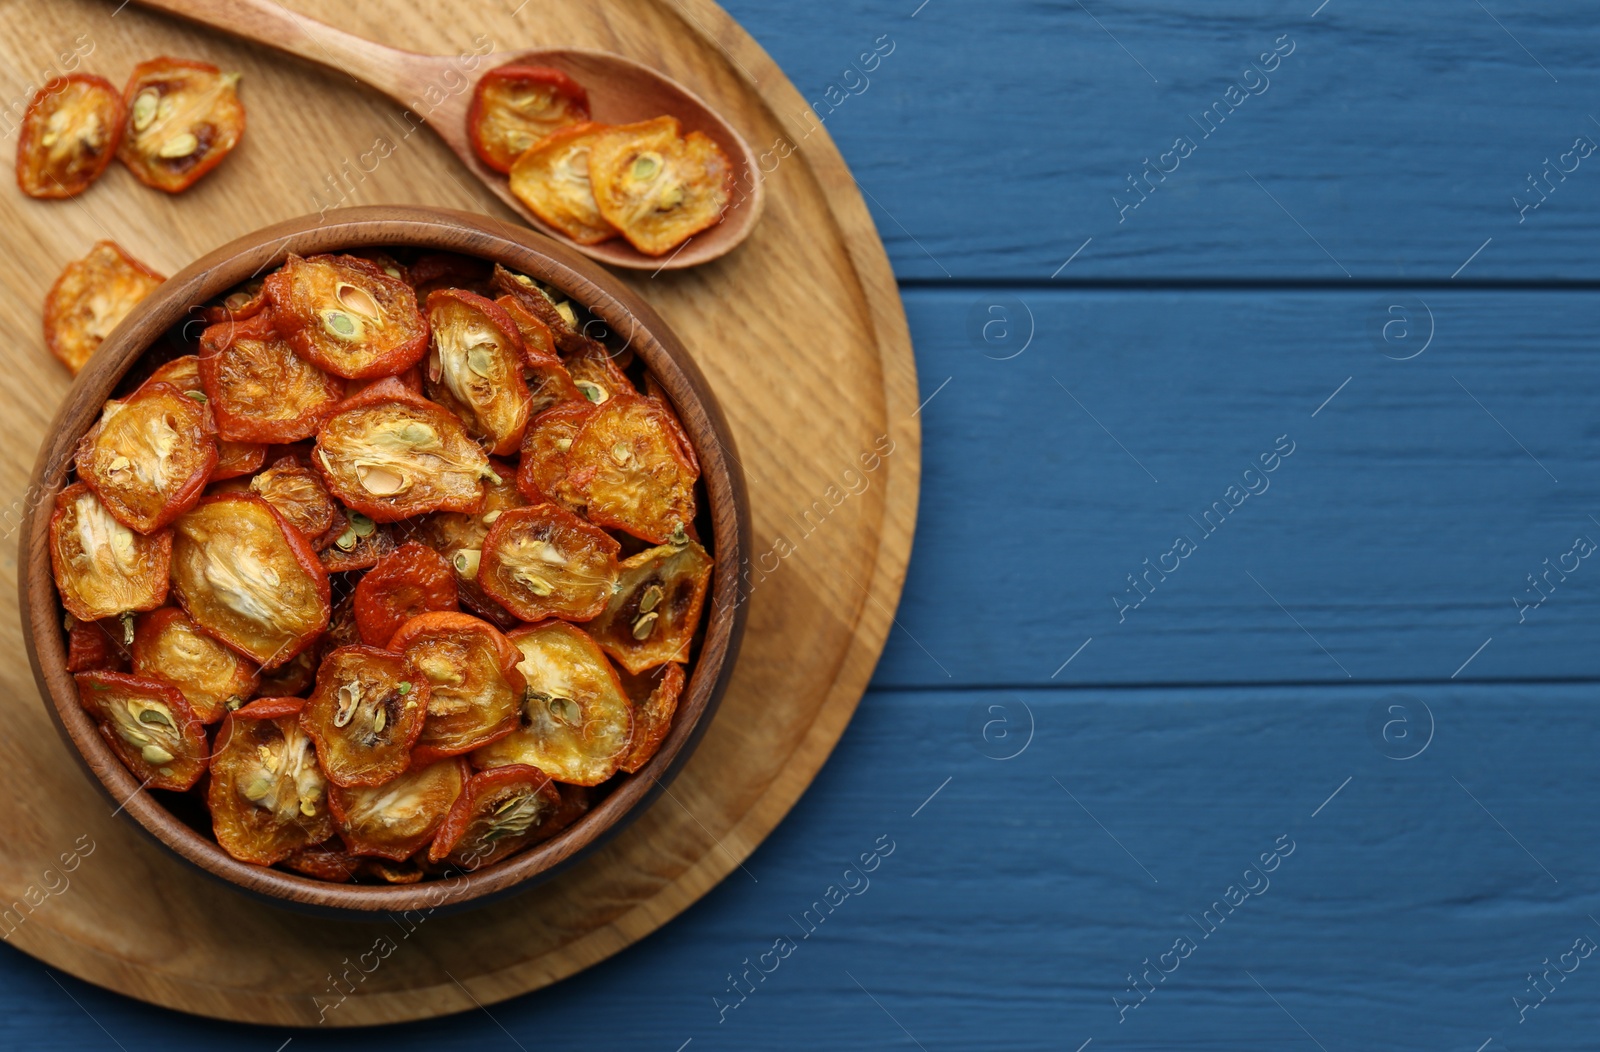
<point x="1243" y="694"/>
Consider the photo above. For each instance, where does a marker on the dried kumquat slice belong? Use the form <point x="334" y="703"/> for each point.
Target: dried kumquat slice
<point x="299" y="495"/>
<point x="69" y="135"/>
<point x="354" y="542"/>
<point x="542" y="473"/>
<point x="596" y="375"/>
<point x="97" y="646"/>
<point x="413" y="579"/>
<point x="577" y="722"/>
<point x="346" y="316"/>
<point x="391" y="454"/>
<point x="233" y="458"/>
<point x="498" y="813"/>
<point x="655" y="701"/>
<point x="475" y="367"/>
<point x="632" y="469"/>
<point x="538" y="345"/>
<point x="169" y="647"/>
<point x="268" y="798"/>
<point x="103" y="569"/>
<point x="652" y="618"/>
<point x="150" y="456"/>
<point x="550" y="307"/>
<point x="552" y="179"/>
<point x="397" y="819"/>
<point x="148" y="725"/>
<point x="459" y="538"/>
<point x="259" y="389"/>
<point x="245" y="301"/>
<point x="544" y="561"/>
<point x="326" y="861"/>
<point x="90" y="298"/>
<point x="248" y="578"/>
<point x="365" y="713"/>
<point x="183" y="119"/>
<point x="658" y="186"/>
<point x="516" y="105"/>
<point x="476" y="691"/>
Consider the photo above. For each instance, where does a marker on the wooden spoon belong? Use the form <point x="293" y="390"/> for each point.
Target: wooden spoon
<point x="438" y="89"/>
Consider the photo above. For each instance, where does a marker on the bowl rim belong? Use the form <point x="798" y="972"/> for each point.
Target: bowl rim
<point x="520" y="249"/>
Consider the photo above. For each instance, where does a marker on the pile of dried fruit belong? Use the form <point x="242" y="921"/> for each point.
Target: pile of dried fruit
<point x="646" y="181"/>
<point x="174" y="122"/>
<point x="392" y="569"/>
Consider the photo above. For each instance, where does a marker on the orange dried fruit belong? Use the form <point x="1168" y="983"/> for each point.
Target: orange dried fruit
<point x="148" y="725"/>
<point x="552" y="179"/>
<point x="475" y="365"/>
<point x="69" y="135"/>
<point x="248" y="578"/>
<point x="576" y="721"/>
<point x="90" y="298"/>
<point x="658" y="186"/>
<point x="516" y="105"/>
<point x="365" y="714"/>
<point x="183" y="119"/>
<point x="544" y="561"/>
<point x="103" y="569"/>
<point x="347" y="317"/>
<point x="652" y="617"/>
<point x="391" y="454"/>
<point x="169" y="647"/>
<point x="267" y="796"/>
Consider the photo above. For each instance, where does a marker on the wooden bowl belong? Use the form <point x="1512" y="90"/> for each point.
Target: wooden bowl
<point x="724" y="521"/>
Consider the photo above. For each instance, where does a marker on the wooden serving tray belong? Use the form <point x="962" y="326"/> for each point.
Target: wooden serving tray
<point x="802" y="337"/>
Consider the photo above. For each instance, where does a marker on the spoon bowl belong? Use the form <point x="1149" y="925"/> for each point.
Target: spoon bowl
<point x="437" y="89"/>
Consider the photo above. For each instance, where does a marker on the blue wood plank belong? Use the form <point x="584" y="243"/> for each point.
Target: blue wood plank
<point x="1390" y="545"/>
<point x="1017" y="899"/>
<point x="1389" y="144"/>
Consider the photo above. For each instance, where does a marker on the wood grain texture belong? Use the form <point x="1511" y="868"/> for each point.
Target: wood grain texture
<point x="1007" y="918"/>
<point x="992" y="140"/>
<point x="807" y="298"/>
<point x="1411" y="513"/>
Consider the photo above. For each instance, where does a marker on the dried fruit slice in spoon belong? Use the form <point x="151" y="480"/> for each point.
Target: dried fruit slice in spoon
<point x="516" y="105"/>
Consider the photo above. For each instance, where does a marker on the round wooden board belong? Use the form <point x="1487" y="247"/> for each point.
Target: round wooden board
<point x="802" y="337"/>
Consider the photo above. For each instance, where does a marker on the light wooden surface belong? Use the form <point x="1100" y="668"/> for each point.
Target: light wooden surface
<point x="800" y="333"/>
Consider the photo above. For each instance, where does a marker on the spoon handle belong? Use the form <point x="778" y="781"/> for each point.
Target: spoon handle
<point x="387" y="69"/>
